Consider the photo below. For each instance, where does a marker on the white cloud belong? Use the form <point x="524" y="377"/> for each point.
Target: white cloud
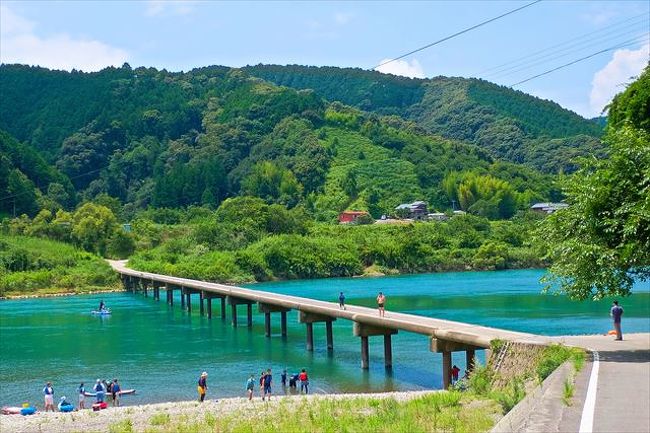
<point x="611" y="79"/>
<point x="342" y="18"/>
<point x="403" y="68"/>
<point x="171" y="7"/>
<point x="20" y="44"/>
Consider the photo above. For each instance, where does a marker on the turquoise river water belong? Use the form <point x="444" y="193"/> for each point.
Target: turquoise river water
<point x="160" y="350"/>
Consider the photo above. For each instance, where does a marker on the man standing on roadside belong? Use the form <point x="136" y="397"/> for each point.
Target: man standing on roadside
<point x="616" y="312"/>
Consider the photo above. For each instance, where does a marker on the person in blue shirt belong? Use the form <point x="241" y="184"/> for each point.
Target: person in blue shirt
<point x="48" y="392"/>
<point x="100" y="391"/>
<point x="268" y="381"/>
<point x="617" y="312"/>
<point x="342" y="301"/>
<point x="115" y="392"/>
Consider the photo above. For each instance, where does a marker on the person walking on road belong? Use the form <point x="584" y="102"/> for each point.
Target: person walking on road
<point x="342" y="301"/>
<point x="202" y="386"/>
<point x="48" y="393"/>
<point x="616" y="312"/>
<point x="381" y="301"/>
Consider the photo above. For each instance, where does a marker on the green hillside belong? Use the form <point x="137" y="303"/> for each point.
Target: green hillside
<point x="137" y="138"/>
<point x="509" y="124"/>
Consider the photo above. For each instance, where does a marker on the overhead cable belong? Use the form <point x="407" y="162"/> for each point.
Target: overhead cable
<point x="634" y="42"/>
<point x="607" y="29"/>
<point x="456" y="34"/>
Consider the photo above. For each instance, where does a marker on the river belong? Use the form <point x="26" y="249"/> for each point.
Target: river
<point x="160" y="351"/>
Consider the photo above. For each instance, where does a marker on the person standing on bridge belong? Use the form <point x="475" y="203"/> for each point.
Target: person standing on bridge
<point x="342" y="301"/>
<point x="381" y="301"/>
<point x="616" y="312"/>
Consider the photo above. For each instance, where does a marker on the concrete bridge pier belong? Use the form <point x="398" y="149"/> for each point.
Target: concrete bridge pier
<point x="208" y="297"/>
<point x="309" y="319"/>
<point x="233" y="302"/>
<point x="446" y="348"/>
<point x="364" y="331"/>
<point x="201" y="307"/>
<point x="267" y="309"/>
<point x="156" y="289"/>
<point x="143" y="284"/>
<point x="182" y="298"/>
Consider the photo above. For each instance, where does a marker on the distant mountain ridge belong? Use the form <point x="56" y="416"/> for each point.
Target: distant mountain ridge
<point x="151" y="138"/>
<point x="509" y="123"/>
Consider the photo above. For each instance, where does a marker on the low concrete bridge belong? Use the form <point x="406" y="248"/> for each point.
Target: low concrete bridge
<point x="444" y="336"/>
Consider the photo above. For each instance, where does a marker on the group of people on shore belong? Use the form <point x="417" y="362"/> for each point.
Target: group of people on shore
<point x="265" y="383"/>
<point x="101" y="389"/>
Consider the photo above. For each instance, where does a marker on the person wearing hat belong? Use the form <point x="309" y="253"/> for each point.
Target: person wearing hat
<point x="203" y="386"/>
<point x="100" y="391"/>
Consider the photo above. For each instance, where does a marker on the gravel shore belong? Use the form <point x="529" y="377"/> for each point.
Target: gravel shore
<point x="140" y="416"/>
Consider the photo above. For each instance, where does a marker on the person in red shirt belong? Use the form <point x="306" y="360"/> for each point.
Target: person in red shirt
<point x="304" y="381"/>
<point x="454" y="373"/>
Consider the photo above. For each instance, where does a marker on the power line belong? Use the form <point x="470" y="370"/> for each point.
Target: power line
<point x="574" y="62"/>
<point x="583" y="36"/>
<point x="602" y="40"/>
<point x="564" y="53"/>
<point x="457" y="34"/>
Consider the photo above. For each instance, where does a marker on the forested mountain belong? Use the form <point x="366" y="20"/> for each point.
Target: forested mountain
<point x="135" y="138"/>
<point x="509" y="124"/>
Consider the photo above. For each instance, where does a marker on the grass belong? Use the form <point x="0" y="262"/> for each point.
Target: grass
<point x="555" y="355"/>
<point x="569" y="389"/>
<point x="437" y="412"/>
<point x="31" y="266"/>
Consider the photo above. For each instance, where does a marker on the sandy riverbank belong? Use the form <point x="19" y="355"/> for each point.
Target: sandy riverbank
<point x="56" y="295"/>
<point x="144" y="416"/>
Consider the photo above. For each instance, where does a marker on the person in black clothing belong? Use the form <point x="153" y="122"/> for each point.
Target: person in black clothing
<point x="283" y="378"/>
<point x="102" y="306"/>
<point x="342" y="301"/>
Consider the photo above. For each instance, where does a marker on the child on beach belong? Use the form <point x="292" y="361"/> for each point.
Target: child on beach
<point x="48" y="392"/>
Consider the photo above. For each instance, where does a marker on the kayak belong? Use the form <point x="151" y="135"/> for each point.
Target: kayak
<point x="101" y="312"/>
<point x="123" y="392"/>
<point x="12" y="410"/>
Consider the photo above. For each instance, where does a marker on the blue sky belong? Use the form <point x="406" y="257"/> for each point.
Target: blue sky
<point x="180" y="35"/>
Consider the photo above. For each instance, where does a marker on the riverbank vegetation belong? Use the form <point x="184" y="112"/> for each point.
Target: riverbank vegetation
<point x="30" y="266"/>
<point x="216" y="248"/>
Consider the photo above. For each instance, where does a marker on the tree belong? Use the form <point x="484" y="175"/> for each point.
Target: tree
<point x="601" y="243"/>
<point x="92" y="226"/>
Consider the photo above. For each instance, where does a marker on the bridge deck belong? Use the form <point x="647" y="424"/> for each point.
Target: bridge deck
<point x="447" y="330"/>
